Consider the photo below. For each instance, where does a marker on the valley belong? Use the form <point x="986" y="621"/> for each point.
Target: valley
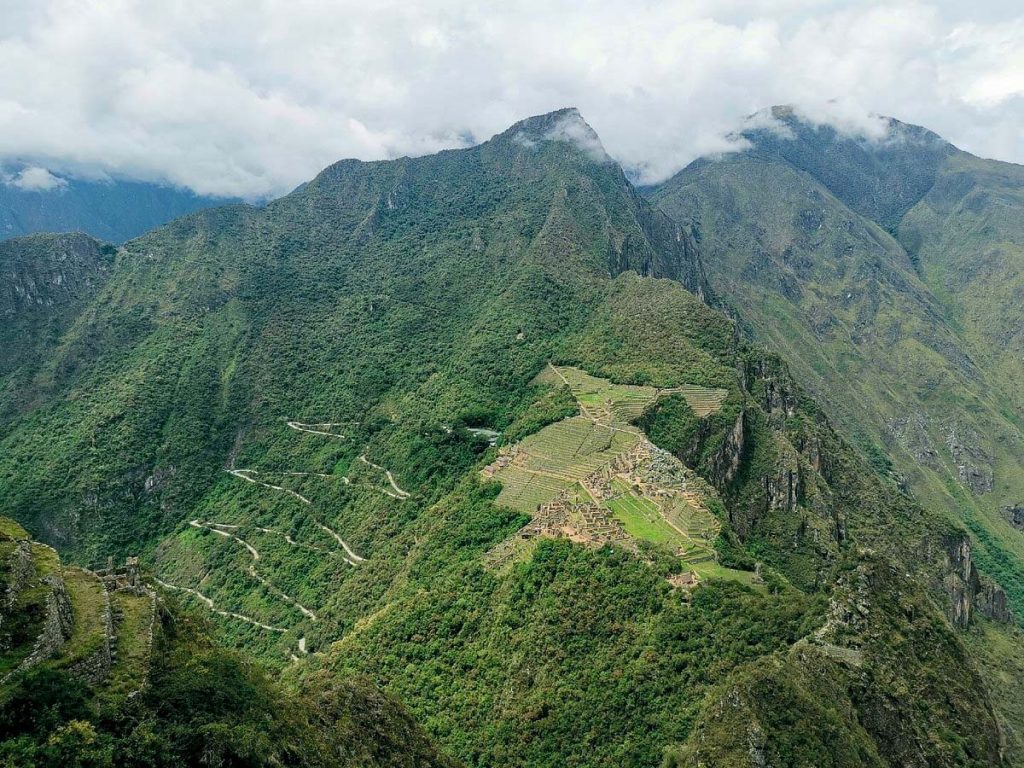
<point x="562" y="509"/>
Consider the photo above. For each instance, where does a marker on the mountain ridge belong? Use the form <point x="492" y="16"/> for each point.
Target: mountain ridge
<point x="819" y="266"/>
<point x="287" y="413"/>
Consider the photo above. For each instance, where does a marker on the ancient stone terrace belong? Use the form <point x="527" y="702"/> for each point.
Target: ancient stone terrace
<point x="596" y="479"/>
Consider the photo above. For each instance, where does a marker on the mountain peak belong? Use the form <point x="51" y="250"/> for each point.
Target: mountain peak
<point x="833" y="121"/>
<point x="564" y="125"/>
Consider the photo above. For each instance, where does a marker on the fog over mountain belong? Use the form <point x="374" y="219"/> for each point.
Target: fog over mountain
<point x="249" y="100"/>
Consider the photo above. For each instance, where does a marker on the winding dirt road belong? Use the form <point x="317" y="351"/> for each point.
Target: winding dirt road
<point x="210" y="604"/>
<point x="350" y="555"/>
<point x="216" y="528"/>
<point x="399" y="493"/>
<point x="317" y="429"/>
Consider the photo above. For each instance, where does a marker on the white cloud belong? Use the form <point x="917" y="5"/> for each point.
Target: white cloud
<point x="571" y="128"/>
<point x="242" y="98"/>
<point x="35" y="179"/>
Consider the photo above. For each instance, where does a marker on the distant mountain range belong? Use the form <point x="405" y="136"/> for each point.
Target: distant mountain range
<point x="707" y="476"/>
<point x="32" y="199"/>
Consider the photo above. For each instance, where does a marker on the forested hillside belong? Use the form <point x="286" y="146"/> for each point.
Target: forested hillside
<point x="873" y="265"/>
<point x="97" y="669"/>
<point x="464" y="424"/>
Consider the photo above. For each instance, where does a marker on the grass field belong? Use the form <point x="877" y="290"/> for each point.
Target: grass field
<point x="88" y="602"/>
<point x="129" y="672"/>
<point x="641" y="518"/>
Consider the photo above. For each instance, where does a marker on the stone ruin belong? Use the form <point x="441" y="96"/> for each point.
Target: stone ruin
<point x="127" y="577"/>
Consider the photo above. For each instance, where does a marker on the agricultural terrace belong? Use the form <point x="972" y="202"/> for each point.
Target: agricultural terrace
<point x="597" y="479"/>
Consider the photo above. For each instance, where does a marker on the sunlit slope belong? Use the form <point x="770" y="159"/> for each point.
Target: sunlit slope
<point x="285" y="413"/>
<point x="96" y="664"/>
<point x="595" y="478"/>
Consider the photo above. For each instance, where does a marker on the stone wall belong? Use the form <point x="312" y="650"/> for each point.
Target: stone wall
<point x="95" y="667"/>
<point x="57" y="626"/>
<point x="20" y="572"/>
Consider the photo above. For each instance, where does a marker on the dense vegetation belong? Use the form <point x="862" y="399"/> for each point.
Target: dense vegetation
<point x="888" y="274"/>
<point x="169" y="697"/>
<point x="330" y="351"/>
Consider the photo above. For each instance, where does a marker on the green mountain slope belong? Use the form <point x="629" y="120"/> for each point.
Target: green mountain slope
<point x="45" y="281"/>
<point x="112" y="210"/>
<point x="99" y="670"/>
<point x="864" y="322"/>
<point x="309" y="420"/>
<point x="818" y="241"/>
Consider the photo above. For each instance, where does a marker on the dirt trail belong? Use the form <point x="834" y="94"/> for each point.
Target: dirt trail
<point x="215" y="528"/>
<point x="313" y="429"/>
<point x="245" y="475"/>
<point x="352" y="557"/>
<point x="289" y="539"/>
<point x="210" y="604"/>
<point x="350" y="554"/>
<point x="281" y="593"/>
<point x="401" y="494"/>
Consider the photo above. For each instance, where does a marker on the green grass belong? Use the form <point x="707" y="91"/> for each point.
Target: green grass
<point x="641" y="519"/>
<point x="133" y="652"/>
<point x="709" y="569"/>
<point x="11" y="530"/>
<point x="87" y="596"/>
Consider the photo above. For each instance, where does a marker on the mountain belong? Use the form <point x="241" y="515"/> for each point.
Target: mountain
<point x="45" y="281"/>
<point x="97" y="669"/>
<point x="34" y="200"/>
<point x="465" y="425"/>
<point x="885" y="269"/>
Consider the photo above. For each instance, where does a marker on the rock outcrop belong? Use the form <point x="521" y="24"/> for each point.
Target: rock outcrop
<point x="967" y="590"/>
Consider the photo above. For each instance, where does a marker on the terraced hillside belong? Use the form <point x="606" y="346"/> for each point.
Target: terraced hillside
<point x="595" y="478"/>
<point x="97" y="668"/>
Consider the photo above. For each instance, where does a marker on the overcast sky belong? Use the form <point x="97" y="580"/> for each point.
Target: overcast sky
<point x="251" y="97"/>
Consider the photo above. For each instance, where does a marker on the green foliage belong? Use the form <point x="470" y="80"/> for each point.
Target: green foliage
<point x="860" y="263"/>
<point x="401" y="301"/>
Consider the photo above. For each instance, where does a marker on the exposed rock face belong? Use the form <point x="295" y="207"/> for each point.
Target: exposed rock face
<point x="781" y="486"/>
<point x="726" y="462"/>
<point x="36" y="277"/>
<point x="1015" y="514"/>
<point x="991" y="601"/>
<point x="967" y="590"/>
<point x="973" y="464"/>
<point x="911" y="434"/>
<point x="960" y="580"/>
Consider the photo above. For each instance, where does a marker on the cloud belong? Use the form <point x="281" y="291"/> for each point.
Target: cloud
<point x="242" y="98"/>
<point x="35" y="179"/>
<point x="767" y="120"/>
<point x="572" y="129"/>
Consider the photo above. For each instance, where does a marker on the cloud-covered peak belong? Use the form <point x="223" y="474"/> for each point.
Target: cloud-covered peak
<point x="564" y="125"/>
<point x="252" y="99"/>
<point x="34" y="179"/>
<point x="836" y="121"/>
